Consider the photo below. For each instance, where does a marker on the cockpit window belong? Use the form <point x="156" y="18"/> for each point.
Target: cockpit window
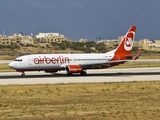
<point x="19" y="60"/>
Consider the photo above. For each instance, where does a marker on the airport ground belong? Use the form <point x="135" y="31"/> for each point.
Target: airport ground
<point x="116" y="94"/>
<point x="101" y="101"/>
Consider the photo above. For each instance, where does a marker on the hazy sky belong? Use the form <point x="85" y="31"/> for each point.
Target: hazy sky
<point x="77" y="19"/>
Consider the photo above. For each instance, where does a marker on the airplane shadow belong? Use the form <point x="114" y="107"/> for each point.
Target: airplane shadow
<point x="78" y="75"/>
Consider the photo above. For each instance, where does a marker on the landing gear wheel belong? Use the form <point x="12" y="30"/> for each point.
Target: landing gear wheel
<point x="69" y="74"/>
<point x="83" y="73"/>
<point x="23" y="74"/>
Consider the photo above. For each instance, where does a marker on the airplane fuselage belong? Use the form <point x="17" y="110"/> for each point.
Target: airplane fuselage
<point x="57" y="61"/>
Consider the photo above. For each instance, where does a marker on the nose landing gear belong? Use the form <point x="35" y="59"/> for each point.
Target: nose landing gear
<point x="22" y="71"/>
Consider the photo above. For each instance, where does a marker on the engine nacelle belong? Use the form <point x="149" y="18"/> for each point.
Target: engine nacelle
<point x="73" y="69"/>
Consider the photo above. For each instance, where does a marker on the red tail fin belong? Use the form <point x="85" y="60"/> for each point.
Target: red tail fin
<point x="125" y="47"/>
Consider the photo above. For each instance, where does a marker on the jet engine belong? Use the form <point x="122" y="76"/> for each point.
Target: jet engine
<point x="73" y="69"/>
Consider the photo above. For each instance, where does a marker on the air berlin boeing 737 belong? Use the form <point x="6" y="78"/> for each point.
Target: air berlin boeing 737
<point x="77" y="63"/>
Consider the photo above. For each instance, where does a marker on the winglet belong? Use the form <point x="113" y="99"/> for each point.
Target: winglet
<point x="137" y="56"/>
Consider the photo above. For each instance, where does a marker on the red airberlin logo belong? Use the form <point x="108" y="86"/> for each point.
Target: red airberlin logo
<point x="52" y="60"/>
<point x="129" y="41"/>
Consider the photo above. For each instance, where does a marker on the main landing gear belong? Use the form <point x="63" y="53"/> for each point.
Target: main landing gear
<point x="23" y="74"/>
<point x="69" y="74"/>
<point x="83" y="73"/>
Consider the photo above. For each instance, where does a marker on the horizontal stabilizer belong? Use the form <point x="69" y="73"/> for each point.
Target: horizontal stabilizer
<point x="129" y="56"/>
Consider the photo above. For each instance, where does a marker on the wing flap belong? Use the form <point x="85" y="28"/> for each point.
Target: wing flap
<point x="98" y="65"/>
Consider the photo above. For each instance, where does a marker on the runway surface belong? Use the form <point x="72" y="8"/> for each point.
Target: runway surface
<point x="5" y="61"/>
<point x="93" y="76"/>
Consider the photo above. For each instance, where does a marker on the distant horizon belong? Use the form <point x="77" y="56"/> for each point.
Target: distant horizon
<point x="82" y="19"/>
<point x="111" y="38"/>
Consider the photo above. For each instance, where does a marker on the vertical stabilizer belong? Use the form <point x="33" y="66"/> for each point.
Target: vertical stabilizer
<point x="125" y="47"/>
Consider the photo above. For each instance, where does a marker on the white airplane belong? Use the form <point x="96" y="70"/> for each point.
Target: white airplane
<point x="77" y="63"/>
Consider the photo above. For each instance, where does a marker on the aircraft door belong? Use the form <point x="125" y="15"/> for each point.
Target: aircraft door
<point x="29" y="61"/>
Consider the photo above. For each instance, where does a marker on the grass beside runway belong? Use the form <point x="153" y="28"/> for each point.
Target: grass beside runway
<point x="132" y="64"/>
<point x="5" y="68"/>
<point x="151" y="56"/>
<point x="8" y="57"/>
<point x="112" y="101"/>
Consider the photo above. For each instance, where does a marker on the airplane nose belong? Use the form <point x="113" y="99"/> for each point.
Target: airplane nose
<point x="12" y="65"/>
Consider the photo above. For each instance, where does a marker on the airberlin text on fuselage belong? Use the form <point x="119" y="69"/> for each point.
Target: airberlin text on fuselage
<point x="52" y="60"/>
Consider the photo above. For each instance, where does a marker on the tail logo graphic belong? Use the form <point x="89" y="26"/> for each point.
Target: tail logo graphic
<point x="128" y="43"/>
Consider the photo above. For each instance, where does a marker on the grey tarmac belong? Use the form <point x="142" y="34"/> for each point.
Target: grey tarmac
<point x="93" y="76"/>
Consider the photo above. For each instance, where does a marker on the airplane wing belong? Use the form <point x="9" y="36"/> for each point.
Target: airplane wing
<point x="100" y="64"/>
<point x="108" y="63"/>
